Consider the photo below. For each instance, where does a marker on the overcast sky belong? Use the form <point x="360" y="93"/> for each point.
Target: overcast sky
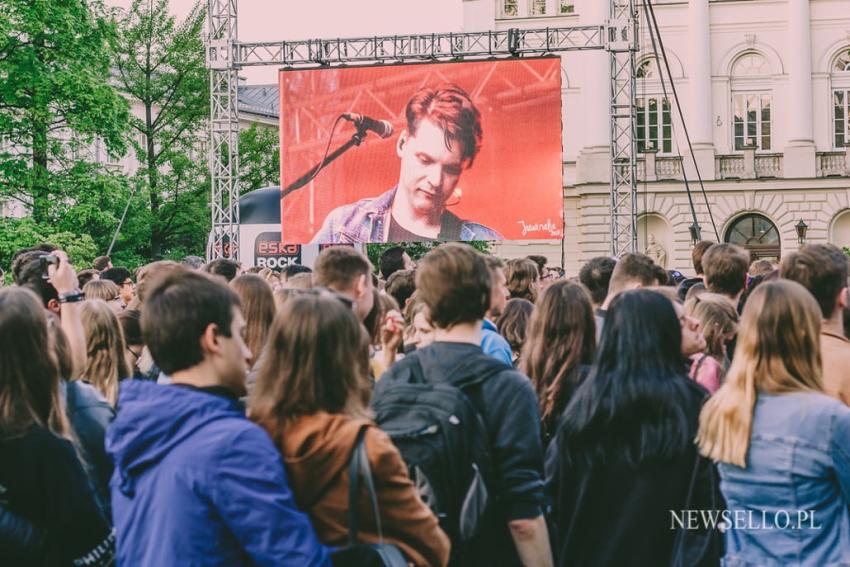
<point x="269" y="20"/>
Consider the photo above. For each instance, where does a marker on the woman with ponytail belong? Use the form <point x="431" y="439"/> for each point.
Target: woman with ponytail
<point x="559" y="348"/>
<point x="782" y="445"/>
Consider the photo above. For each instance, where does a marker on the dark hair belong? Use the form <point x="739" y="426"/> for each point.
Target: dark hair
<point x="258" y="309"/>
<point x="192" y="262"/>
<point x="131" y="324"/>
<point x="101" y="263"/>
<point x="178" y="308"/>
<point x="633" y="407"/>
<point x="561" y="337"/>
<point x="521" y="274"/>
<point x="316" y="359"/>
<point x="117" y="274"/>
<point x="725" y="267"/>
<point x="633" y="268"/>
<point x="513" y="323"/>
<point x="450" y="108"/>
<point x="28" y="271"/>
<point x="294" y="270"/>
<point x="29" y="376"/>
<point x="596" y="275"/>
<point x="698" y="252"/>
<point x="86" y="276"/>
<point x="541" y="262"/>
<point x="401" y="286"/>
<point x="338" y="268"/>
<point x="392" y="260"/>
<point x="224" y="268"/>
<point x="821" y="269"/>
<point x="454" y="282"/>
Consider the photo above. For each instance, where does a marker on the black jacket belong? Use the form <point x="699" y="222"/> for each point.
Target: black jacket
<point x="508" y="406"/>
<point x="90" y="414"/>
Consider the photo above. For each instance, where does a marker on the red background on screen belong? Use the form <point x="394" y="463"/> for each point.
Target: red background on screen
<point x="515" y="177"/>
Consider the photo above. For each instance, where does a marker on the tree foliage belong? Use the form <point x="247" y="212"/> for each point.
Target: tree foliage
<point x="160" y="68"/>
<point x="259" y="158"/>
<point x="417" y="250"/>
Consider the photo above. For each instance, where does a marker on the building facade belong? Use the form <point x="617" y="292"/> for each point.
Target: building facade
<point x="764" y="87"/>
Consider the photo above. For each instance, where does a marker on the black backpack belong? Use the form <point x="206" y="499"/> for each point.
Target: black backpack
<point x="443" y="440"/>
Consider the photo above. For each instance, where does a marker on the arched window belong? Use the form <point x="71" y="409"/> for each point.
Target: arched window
<point x="757" y="234"/>
<point x="751" y="102"/>
<point x="653" y="120"/>
<point x="840" y="78"/>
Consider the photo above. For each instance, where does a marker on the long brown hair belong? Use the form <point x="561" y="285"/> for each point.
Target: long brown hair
<point x="778" y="352"/>
<point x="717" y="321"/>
<point x="561" y="336"/>
<point x="521" y="275"/>
<point x="316" y="359"/>
<point x="106" y="361"/>
<point x="258" y="308"/>
<point x="29" y="377"/>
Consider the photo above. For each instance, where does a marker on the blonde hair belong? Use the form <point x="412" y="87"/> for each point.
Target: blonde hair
<point x="717" y="320"/>
<point x="106" y="362"/>
<point x="778" y="352"/>
<point x="101" y="289"/>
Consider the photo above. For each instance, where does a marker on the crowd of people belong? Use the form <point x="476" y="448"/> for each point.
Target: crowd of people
<point x="459" y="410"/>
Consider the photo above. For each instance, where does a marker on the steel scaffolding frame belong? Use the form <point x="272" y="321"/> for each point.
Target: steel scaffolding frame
<point x="226" y="55"/>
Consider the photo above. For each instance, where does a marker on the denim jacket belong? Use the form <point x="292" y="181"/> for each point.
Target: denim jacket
<point x="798" y="465"/>
<point x="367" y="221"/>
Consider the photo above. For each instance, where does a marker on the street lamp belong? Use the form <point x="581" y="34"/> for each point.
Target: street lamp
<point x="802" y="228"/>
<point x="696" y="235"/>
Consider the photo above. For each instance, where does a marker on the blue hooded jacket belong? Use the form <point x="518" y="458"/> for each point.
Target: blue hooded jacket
<point x="196" y="483"/>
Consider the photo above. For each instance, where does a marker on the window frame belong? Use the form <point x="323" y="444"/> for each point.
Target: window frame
<point x="839" y="82"/>
<point x="759" y="134"/>
<point x="660" y="124"/>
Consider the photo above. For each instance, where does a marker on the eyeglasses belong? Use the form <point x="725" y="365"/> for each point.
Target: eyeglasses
<point x="128" y="283"/>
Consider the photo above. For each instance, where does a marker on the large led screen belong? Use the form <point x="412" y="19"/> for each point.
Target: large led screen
<point x="438" y="151"/>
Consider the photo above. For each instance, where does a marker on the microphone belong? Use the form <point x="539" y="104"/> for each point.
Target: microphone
<point x="380" y="127"/>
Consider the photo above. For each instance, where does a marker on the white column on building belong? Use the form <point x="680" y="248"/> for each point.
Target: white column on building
<point x="800" y="151"/>
<point x="700" y="108"/>
<point x="594" y="157"/>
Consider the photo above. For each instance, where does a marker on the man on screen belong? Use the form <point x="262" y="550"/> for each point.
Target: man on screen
<point x="442" y="138"/>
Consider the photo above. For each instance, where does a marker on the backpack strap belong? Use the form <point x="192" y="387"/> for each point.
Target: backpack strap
<point x="359" y="468"/>
<point x="461" y="376"/>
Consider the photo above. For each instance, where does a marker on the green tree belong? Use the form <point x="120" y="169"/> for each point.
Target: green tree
<point x="259" y="158"/>
<point x="416" y="249"/>
<point x="55" y="98"/>
<point x="160" y="64"/>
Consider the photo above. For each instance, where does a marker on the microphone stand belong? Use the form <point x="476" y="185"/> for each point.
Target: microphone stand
<point x="356" y="140"/>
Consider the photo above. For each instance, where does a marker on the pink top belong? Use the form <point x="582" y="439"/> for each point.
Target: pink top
<point x="706" y="371"/>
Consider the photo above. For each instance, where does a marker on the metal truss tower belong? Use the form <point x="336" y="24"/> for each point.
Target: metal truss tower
<point x="226" y="55"/>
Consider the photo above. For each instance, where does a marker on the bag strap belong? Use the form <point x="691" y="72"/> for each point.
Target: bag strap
<point x="699" y="365"/>
<point x="358" y="468"/>
<point x="467" y="378"/>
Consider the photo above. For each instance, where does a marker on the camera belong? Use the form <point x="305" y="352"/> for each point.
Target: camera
<point x="46" y="260"/>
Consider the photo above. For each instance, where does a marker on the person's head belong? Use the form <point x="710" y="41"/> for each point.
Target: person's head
<point x="192" y="262"/>
<point x="499" y="293"/>
<point x="718" y="322"/>
<point x="317" y="360"/>
<point x="418" y="331"/>
<point x="523" y="279"/>
<point x="102" y="263"/>
<point x="540" y="261"/>
<point x="293" y="270"/>
<point x="629" y="409"/>
<point x="725" y="268"/>
<point x="778" y="351"/>
<point x="150" y="273"/>
<point x="131" y="325"/>
<point x="513" y="324"/>
<point x="194" y="321"/>
<point x="61" y="348"/>
<point x="401" y="285"/>
<point x="29" y="270"/>
<point x="455" y="284"/>
<point x="698" y="252"/>
<point x="393" y="260"/>
<point x="29" y="377"/>
<point x="85" y="276"/>
<point x="561" y="336"/>
<point x="123" y="279"/>
<point x="106" y="291"/>
<point x="374" y="318"/>
<point x="693" y="341"/>
<point x="662" y="278"/>
<point x="821" y="269"/>
<point x="596" y="276"/>
<point x="442" y="138"/>
<point x="632" y="271"/>
<point x="346" y="271"/>
<point x="760" y="268"/>
<point x="258" y="309"/>
<point x="106" y="357"/>
<point x="222" y="267"/>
